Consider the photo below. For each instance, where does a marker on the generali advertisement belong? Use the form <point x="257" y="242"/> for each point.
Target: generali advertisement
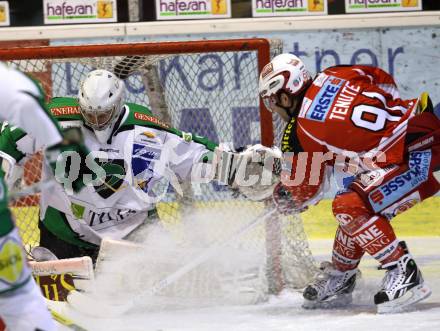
<point x="368" y="6"/>
<point x="79" y="11"/>
<point x="4" y="13"/>
<point x="192" y="9"/>
<point x="264" y="8"/>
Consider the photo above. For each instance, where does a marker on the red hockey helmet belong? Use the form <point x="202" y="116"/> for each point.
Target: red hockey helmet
<point x="285" y="73"/>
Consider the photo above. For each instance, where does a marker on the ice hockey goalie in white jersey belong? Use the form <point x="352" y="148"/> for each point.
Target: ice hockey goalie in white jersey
<point x="134" y="154"/>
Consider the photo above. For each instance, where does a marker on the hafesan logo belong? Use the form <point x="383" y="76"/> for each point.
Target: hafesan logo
<point x="381" y="5"/>
<point x="79" y="11"/>
<point x="192" y="9"/>
<point x="288" y="7"/>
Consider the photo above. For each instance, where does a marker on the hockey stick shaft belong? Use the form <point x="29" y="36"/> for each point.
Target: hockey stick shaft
<point x="89" y="306"/>
<point x="208" y="254"/>
<point x="64" y="320"/>
<point x="30" y="190"/>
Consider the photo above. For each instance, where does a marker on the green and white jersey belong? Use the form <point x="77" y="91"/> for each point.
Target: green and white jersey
<point x="142" y="155"/>
<point x="22" y="105"/>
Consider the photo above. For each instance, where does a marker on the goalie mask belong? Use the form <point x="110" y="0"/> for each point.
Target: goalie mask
<point x="283" y="82"/>
<point x="101" y="99"/>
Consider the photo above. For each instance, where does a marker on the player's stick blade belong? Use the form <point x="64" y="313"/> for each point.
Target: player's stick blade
<point x="90" y="306"/>
<point x="406" y="301"/>
<point x="56" y="310"/>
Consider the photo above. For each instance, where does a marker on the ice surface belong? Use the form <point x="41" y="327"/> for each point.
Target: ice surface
<point x="284" y="312"/>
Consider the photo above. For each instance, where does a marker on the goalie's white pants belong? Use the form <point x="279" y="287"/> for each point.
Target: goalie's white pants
<point x="26" y="310"/>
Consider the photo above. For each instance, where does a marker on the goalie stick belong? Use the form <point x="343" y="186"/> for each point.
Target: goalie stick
<point x="62" y="319"/>
<point x="92" y="307"/>
<point x="29" y="190"/>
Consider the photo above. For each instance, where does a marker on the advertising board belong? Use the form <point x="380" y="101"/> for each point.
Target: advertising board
<point x="368" y="6"/>
<point x="4" y="13"/>
<point x="265" y="8"/>
<point x="79" y="11"/>
<point x="192" y="9"/>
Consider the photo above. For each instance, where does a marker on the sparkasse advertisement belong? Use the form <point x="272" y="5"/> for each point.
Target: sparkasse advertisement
<point x="79" y="11"/>
<point x="262" y="8"/>
<point x="192" y="9"/>
<point x="4" y="13"/>
<point x="366" y="6"/>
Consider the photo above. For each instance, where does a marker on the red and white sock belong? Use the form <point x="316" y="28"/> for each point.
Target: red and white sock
<point x="346" y="252"/>
<point x="378" y="239"/>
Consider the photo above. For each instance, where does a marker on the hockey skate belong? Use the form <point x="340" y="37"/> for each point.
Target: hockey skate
<point x="331" y="288"/>
<point x="402" y="286"/>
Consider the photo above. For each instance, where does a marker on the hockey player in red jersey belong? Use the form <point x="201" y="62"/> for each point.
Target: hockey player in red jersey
<point x="352" y="118"/>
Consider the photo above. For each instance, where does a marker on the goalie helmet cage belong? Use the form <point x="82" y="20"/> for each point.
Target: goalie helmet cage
<point x="208" y="87"/>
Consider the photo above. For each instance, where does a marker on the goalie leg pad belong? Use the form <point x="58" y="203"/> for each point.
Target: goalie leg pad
<point x="58" y="277"/>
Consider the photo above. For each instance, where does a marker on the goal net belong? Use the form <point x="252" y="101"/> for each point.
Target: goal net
<point x="209" y="88"/>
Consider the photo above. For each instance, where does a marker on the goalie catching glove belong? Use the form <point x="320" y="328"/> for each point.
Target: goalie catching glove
<point x="254" y="171"/>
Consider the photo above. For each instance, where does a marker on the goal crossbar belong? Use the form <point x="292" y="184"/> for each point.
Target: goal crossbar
<point x="261" y="45"/>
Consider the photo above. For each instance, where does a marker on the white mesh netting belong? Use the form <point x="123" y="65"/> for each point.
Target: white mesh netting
<point x="213" y="94"/>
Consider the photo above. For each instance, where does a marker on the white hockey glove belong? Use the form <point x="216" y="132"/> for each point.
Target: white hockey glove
<point x="224" y="163"/>
<point x="262" y="172"/>
<point x="26" y="310"/>
<point x="22" y="305"/>
<point x="13" y="171"/>
<point x="254" y="171"/>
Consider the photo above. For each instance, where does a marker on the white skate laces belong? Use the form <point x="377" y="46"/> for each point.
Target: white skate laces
<point x="330" y="288"/>
<point x="402" y="286"/>
<point x="394" y="276"/>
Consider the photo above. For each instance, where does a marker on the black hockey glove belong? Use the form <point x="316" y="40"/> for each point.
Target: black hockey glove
<point x="285" y="202"/>
<point x="67" y="160"/>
